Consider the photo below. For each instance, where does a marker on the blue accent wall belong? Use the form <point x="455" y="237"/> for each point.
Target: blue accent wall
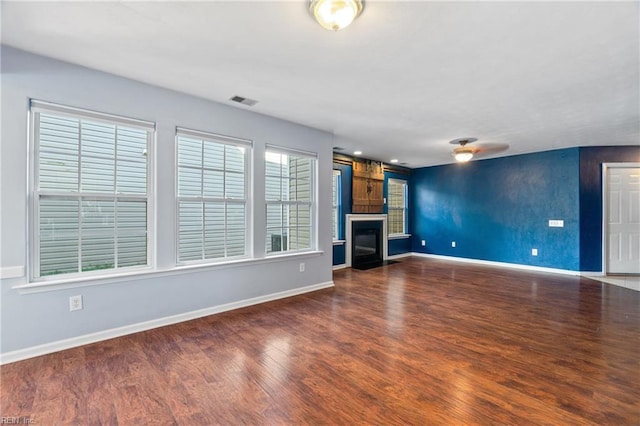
<point x="498" y="209"/>
<point x="339" y="254"/>
<point x="591" y="159"/>
<point x="346" y="175"/>
<point x="399" y="246"/>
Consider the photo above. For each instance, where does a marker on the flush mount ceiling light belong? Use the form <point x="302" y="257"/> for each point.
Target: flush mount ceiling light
<point x="335" y="14"/>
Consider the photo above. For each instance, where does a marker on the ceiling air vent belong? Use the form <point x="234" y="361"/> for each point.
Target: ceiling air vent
<point x="243" y="101"/>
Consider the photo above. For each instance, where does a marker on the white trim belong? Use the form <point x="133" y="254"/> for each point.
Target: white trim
<point x="341" y="266"/>
<point x="592" y="274"/>
<point x="49" y="107"/>
<point x="499" y="264"/>
<point x="338" y="242"/>
<point x="399" y="236"/>
<point x="12" y="272"/>
<point x="350" y="218"/>
<point x="399" y="256"/>
<point x="630" y="282"/>
<point x="605" y="209"/>
<point x="214" y="137"/>
<point x="99" y="336"/>
<point x="41" y="286"/>
<point x="290" y="151"/>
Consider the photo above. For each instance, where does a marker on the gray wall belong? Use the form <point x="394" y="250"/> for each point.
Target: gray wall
<point x="30" y="319"/>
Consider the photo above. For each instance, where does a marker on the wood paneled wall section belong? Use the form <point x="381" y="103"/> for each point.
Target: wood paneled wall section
<point x="367" y="191"/>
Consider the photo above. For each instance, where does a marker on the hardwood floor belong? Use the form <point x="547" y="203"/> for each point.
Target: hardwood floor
<point x="418" y="342"/>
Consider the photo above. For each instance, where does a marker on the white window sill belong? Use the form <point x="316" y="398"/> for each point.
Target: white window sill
<point x="398" y="236"/>
<point x="339" y="242"/>
<point x="147" y="273"/>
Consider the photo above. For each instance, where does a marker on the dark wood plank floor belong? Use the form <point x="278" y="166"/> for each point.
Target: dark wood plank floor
<point x="417" y="342"/>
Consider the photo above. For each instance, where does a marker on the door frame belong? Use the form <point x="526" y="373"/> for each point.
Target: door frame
<point x="605" y="209"/>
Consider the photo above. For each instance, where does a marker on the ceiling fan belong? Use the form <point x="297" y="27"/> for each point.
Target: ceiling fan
<point x="464" y="152"/>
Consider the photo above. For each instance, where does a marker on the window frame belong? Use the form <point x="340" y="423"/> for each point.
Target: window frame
<point x="337" y="203"/>
<point x="405" y="190"/>
<point x="225" y="140"/>
<point x="312" y="203"/>
<point x="35" y="109"/>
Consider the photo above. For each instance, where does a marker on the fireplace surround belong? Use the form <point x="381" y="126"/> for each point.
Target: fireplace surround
<point x="366" y="225"/>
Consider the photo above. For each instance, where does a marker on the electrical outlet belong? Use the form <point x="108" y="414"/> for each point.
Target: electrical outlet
<point x="424" y="243"/>
<point x="301" y="266"/>
<point x="453" y="243"/>
<point x="75" y="303"/>
<point x="534" y="252"/>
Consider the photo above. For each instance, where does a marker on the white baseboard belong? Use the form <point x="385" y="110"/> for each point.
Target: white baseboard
<point x="632" y="282"/>
<point x="499" y="264"/>
<point x="491" y="263"/>
<point x="86" y="339"/>
<point x="399" y="256"/>
<point x="592" y="274"/>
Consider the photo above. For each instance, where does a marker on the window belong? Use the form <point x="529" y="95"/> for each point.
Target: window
<point x="397" y="206"/>
<point x="290" y="198"/>
<point x="337" y="179"/>
<point x="212" y="194"/>
<point x="90" y="205"/>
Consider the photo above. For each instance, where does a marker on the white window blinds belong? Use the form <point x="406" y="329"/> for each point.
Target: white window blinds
<point x="91" y="190"/>
<point x="212" y="194"/>
<point x="335" y="228"/>
<point x="290" y="200"/>
<point x="397" y="206"/>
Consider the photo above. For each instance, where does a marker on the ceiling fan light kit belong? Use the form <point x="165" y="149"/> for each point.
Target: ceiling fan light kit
<point x="335" y="15"/>
<point x="464" y="153"/>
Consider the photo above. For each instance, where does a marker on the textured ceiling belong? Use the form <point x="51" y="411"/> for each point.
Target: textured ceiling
<point x="400" y="82"/>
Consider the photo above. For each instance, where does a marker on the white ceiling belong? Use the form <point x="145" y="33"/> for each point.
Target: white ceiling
<point x="400" y="82"/>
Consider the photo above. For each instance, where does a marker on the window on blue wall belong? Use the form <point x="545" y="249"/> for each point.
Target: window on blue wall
<point x="212" y="196"/>
<point x="337" y="179"/>
<point x="91" y="206"/>
<point x="397" y="206"/>
<point x="290" y="200"/>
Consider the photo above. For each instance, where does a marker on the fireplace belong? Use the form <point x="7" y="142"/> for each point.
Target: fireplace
<point x="366" y="240"/>
<point x="367" y="244"/>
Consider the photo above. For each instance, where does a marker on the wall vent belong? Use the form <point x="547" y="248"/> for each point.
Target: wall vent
<point x="243" y="101"/>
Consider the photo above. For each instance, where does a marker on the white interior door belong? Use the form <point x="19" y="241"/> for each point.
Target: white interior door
<point x="623" y="219"/>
